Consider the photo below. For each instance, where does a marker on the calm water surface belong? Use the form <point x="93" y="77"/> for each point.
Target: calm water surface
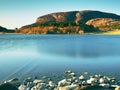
<point x="29" y="55"/>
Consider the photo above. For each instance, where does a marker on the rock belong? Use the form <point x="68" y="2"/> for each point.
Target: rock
<point x="72" y="74"/>
<point x="102" y="80"/>
<point x="23" y="87"/>
<point x="86" y="73"/>
<point x="73" y="79"/>
<point x="105" y="85"/>
<point x="117" y="88"/>
<point x="34" y="88"/>
<point x="70" y="87"/>
<point x="62" y="82"/>
<point x="63" y="88"/>
<point x="14" y="81"/>
<point x="73" y="86"/>
<point x="92" y="81"/>
<point x="37" y="81"/>
<point x="97" y="76"/>
<point x="51" y="84"/>
<point x="84" y="83"/>
<point x="30" y="84"/>
<point x="68" y="72"/>
<point x="109" y="79"/>
<point x="29" y="79"/>
<point x="81" y="77"/>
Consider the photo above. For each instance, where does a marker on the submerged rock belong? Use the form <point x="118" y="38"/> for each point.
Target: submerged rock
<point x="8" y="86"/>
<point x="14" y="81"/>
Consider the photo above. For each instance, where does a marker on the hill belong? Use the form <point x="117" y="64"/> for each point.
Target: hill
<point x="5" y="30"/>
<point x="75" y="16"/>
<point x="73" y="22"/>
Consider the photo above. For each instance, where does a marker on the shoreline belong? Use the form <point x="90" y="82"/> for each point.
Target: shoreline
<point x="115" y="32"/>
<point x="70" y="82"/>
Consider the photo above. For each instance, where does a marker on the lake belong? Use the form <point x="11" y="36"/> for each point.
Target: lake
<point x="37" y="55"/>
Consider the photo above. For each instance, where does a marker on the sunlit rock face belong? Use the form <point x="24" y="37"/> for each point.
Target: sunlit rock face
<point x="105" y="23"/>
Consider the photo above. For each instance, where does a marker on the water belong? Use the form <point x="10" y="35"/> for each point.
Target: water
<point x="36" y="55"/>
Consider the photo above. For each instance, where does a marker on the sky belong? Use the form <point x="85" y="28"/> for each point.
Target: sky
<point x="17" y="13"/>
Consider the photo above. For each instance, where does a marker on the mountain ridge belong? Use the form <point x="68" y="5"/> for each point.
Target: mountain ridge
<point x="75" y="16"/>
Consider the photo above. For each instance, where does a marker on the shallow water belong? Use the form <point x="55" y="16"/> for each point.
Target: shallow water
<point x="29" y="55"/>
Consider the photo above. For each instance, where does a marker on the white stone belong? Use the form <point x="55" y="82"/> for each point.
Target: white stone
<point x="63" y="88"/>
<point x="73" y="86"/>
<point x="73" y="78"/>
<point x="72" y="74"/>
<point x="76" y="81"/>
<point x="69" y="80"/>
<point x="30" y="84"/>
<point x="69" y="71"/>
<point x="117" y="88"/>
<point x="51" y="84"/>
<point x="62" y="82"/>
<point x="104" y="85"/>
<point x="22" y="87"/>
<point x="86" y="73"/>
<point x="102" y="80"/>
<point x="81" y="77"/>
<point x="113" y="86"/>
<point x="84" y="82"/>
<point x="97" y="76"/>
<point x="92" y="81"/>
<point x="34" y="88"/>
<point x="108" y="78"/>
<point x="37" y="81"/>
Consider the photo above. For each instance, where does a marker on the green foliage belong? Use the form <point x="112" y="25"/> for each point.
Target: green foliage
<point x="71" y="27"/>
<point x="58" y="24"/>
<point x="90" y="28"/>
<point x="2" y="29"/>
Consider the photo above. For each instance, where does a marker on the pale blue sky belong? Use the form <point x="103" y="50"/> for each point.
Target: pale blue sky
<point x="16" y="13"/>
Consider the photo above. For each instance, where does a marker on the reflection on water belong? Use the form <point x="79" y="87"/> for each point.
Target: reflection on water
<point x="24" y="55"/>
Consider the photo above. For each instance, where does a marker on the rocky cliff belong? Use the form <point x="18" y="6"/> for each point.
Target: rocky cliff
<point x="105" y="23"/>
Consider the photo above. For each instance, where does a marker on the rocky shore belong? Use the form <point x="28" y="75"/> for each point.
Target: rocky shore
<point x="69" y="82"/>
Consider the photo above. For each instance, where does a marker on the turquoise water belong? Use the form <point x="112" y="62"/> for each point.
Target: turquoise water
<point x="29" y="55"/>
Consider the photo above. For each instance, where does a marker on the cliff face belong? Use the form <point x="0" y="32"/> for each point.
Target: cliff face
<point x="75" y="16"/>
<point x="105" y="23"/>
